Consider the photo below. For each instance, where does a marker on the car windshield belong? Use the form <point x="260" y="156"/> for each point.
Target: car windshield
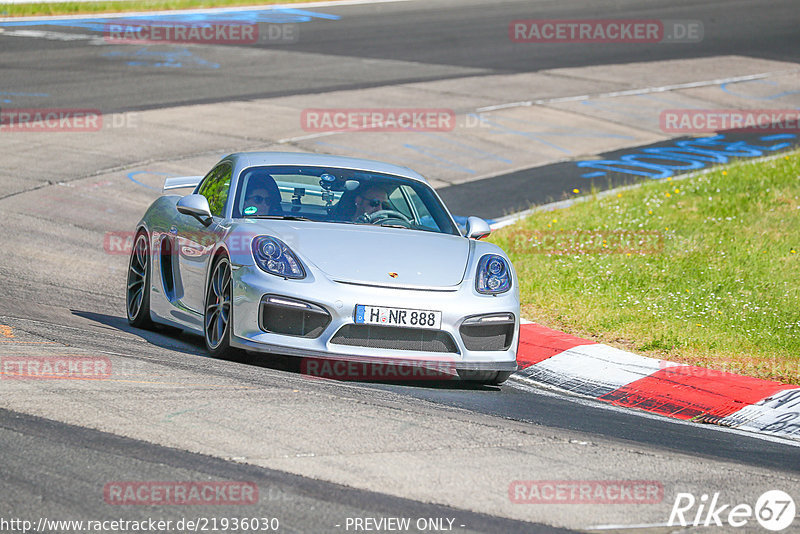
<point x="343" y="196"/>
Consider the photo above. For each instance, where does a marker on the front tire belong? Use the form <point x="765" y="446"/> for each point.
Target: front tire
<point x="492" y="378"/>
<point x="137" y="296"/>
<point x="218" y="316"/>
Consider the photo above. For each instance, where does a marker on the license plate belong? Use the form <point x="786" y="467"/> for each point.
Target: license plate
<point x="408" y="318"/>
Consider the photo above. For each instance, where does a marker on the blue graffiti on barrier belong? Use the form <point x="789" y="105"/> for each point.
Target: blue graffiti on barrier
<point x="684" y="156"/>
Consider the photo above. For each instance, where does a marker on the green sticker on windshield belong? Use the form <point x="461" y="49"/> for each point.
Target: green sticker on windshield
<point x="250" y="210"/>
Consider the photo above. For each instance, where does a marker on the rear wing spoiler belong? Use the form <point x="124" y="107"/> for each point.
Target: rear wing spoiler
<point x="180" y="182"/>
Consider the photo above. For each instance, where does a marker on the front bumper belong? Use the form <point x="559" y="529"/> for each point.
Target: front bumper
<point x="339" y="300"/>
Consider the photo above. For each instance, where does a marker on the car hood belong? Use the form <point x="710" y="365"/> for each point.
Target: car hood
<point x="374" y="255"/>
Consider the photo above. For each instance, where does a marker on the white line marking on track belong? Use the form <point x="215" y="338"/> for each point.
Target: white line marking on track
<point x="641" y="91"/>
<point x="306" y="137"/>
<point x="621" y="527"/>
<point x="56" y="36"/>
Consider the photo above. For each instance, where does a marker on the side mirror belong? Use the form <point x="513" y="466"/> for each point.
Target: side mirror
<point x="477" y="228"/>
<point x="196" y="206"/>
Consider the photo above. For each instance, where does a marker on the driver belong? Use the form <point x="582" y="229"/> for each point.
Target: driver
<point x="369" y="201"/>
<point x="258" y="198"/>
<point x="262" y="196"/>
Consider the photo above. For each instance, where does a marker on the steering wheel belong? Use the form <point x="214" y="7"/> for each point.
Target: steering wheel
<point x="381" y="216"/>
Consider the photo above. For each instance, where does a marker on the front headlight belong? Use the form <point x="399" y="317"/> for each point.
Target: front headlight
<point x="274" y="257"/>
<point x="494" y="275"/>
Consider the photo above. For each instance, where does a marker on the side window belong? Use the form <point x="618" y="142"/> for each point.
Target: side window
<point x="215" y="188"/>
<point x="398" y="202"/>
<point x="425" y="221"/>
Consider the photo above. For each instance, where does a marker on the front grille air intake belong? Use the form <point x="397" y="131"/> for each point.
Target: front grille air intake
<point x="387" y="337"/>
<point x="292" y="317"/>
<point x="488" y="332"/>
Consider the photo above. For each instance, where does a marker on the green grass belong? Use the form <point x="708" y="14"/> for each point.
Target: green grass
<point x="715" y="281"/>
<point x="76" y="8"/>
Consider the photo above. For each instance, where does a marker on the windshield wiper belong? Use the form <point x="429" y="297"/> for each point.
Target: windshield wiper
<point x="280" y="217"/>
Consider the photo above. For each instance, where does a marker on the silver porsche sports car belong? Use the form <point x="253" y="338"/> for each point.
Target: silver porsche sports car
<point x="325" y="257"/>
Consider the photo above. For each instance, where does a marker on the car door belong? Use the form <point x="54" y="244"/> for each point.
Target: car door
<point x="196" y="242"/>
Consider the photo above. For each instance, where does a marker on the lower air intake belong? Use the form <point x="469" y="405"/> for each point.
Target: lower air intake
<point x="383" y="337"/>
<point x="290" y="317"/>
<point x="488" y="332"/>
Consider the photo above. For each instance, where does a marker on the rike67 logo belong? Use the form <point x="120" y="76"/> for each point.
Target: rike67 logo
<point x="774" y="510"/>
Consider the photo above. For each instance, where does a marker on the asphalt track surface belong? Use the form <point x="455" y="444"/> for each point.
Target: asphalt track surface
<point x="54" y="468"/>
<point x="40" y="450"/>
<point x="400" y="42"/>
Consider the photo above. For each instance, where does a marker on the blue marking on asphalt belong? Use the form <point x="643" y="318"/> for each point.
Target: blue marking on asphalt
<point x="684" y="155"/>
<point x="777" y="137"/>
<point x="559" y="131"/>
<point x="780" y="146"/>
<point x="375" y="155"/>
<point x="540" y="136"/>
<point x="427" y="151"/>
<point x="446" y="163"/>
<point x="310" y="14"/>
<point x="22" y="94"/>
<point x="255" y="16"/>
<point x="135" y="173"/>
<point x="9" y="93"/>
<point x="462" y="150"/>
<point x="144" y="57"/>
<point x="353" y="149"/>
<point x="531" y="136"/>
<point x="617" y="108"/>
<point x="675" y="101"/>
<point x="773" y="96"/>
<point x="468" y="148"/>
